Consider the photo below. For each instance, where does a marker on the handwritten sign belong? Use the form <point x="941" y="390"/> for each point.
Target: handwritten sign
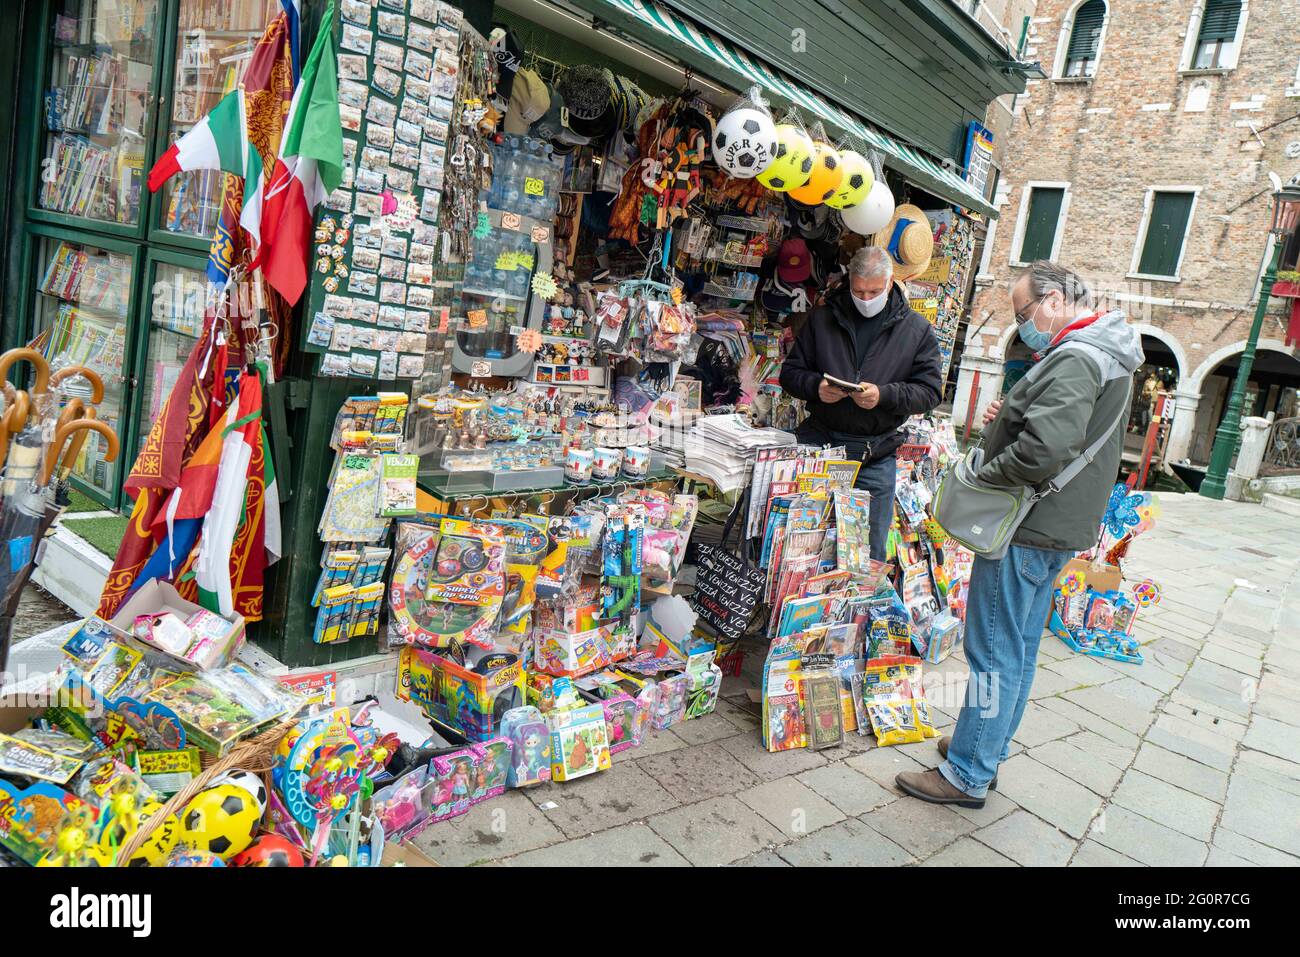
<point x="534" y="186"/>
<point x="726" y="591"/>
<point x="541" y="234"/>
<point x="510" y="221"/>
<point x="477" y="318"/>
<point x="481" y="369"/>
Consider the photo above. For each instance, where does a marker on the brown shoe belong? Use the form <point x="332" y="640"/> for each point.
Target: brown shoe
<point x="943" y="753"/>
<point x="933" y="787"/>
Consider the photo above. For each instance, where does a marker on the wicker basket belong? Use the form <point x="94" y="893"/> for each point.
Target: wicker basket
<point x="255" y="754"/>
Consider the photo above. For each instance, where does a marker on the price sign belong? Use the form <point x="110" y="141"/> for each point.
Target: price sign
<point x="541" y="234"/>
<point x="477" y="318"/>
<point x="481" y="369"/>
<point x="534" y="186"/>
<point x="510" y="221"/>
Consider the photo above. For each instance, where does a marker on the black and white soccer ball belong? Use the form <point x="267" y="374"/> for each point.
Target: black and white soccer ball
<point x="744" y="142"/>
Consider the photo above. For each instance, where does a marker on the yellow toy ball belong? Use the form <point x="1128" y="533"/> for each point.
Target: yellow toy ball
<point x="153" y="852"/>
<point x="221" y="820"/>
<point x="857" y="181"/>
<point x="825" y="179"/>
<point x="793" y="163"/>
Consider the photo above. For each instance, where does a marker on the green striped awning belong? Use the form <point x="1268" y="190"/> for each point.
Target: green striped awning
<point x="921" y="169"/>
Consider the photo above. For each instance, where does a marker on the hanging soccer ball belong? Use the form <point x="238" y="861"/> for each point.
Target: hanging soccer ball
<point x="250" y="782"/>
<point x="269" y="850"/>
<point x="825" y="179"/>
<point x="792" y="164"/>
<point x="220" y="820"/>
<point x="744" y="142"/>
<point x="857" y="181"/>
<point x="873" y="213"/>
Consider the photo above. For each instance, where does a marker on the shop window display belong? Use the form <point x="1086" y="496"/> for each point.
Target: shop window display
<point x="98" y="102"/>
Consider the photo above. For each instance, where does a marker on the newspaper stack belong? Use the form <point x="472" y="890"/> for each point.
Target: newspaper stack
<point x="722" y="448"/>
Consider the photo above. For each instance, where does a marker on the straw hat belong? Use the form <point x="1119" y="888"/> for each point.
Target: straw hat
<point x="909" y="240"/>
<point x="529" y="101"/>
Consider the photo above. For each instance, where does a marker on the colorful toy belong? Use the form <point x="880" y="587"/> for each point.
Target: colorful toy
<point x="157" y="846"/>
<point x="469" y="698"/>
<point x="531" y="742"/>
<point x="269" y="850"/>
<point x="220" y="820"/>
<point x="30" y="818"/>
<point x="250" y="781"/>
<point x="1072" y="583"/>
<point x="1146" y="593"/>
<point x="671" y="698"/>
<point x="579" y="744"/>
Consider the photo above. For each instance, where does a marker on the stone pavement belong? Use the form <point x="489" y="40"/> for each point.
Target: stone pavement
<point x="1192" y="758"/>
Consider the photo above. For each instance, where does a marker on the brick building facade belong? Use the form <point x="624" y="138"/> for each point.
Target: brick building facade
<point x="1144" y="162"/>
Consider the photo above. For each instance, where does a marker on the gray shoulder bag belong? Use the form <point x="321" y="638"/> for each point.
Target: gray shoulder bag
<point x="984" y="517"/>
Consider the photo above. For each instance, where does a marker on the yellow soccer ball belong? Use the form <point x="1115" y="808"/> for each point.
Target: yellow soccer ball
<point x="793" y="163"/>
<point x="857" y="181"/>
<point x="221" y="820"/>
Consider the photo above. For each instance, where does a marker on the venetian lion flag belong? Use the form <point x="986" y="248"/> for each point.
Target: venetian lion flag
<point x="308" y="168"/>
<point x="218" y="141"/>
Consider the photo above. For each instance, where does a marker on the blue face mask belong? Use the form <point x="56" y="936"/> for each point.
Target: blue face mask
<point x="1032" y="336"/>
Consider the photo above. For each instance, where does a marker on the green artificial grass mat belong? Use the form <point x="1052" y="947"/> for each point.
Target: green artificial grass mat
<point x="104" y="533"/>
<point x="81" y="502"/>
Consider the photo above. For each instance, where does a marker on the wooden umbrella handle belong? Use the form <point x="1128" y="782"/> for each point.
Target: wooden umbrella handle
<point x="13" y="356"/>
<point x="12" y="422"/>
<point x="74" y="410"/>
<point x="90" y="375"/>
<point x="66" y="430"/>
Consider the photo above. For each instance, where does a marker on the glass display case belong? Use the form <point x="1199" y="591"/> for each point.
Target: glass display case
<point x="179" y="294"/>
<point x="215" y="40"/>
<point x="81" y="309"/>
<point x="98" y="101"/>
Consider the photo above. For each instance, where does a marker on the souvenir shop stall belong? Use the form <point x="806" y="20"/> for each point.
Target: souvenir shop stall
<point x="532" y="317"/>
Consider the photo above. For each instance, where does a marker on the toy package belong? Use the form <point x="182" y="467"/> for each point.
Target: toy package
<point x="579" y="744"/>
<point x="945" y="636"/>
<point x="853" y="529"/>
<point x="894" y="701"/>
<point x="783" y="714"/>
<point x="671" y="699"/>
<point x="470" y="698"/>
<point x="530" y="740"/>
<point x="888" y="629"/>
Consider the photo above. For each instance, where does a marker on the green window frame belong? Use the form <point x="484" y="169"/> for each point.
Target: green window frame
<point x="1045" y="208"/>
<point x="1168" y="218"/>
<point x="1085" y="40"/>
<point x="1216" y="41"/>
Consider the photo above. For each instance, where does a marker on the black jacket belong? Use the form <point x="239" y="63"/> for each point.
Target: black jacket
<point x="903" y="361"/>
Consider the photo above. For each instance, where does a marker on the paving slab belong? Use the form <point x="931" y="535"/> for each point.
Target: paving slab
<point x="1048" y="794"/>
<point x="848" y="789"/>
<point x="1182" y="771"/>
<point x="1081" y="765"/>
<point x="632" y="845"/>
<point x="847" y="844"/>
<point x="624" y="793"/>
<point x="917" y="826"/>
<point x="1263" y="813"/>
<point x="882" y="765"/>
<point x="1171" y="806"/>
<point x="1092" y="854"/>
<point x="791" y="806"/>
<point x="714" y="832"/>
<point x="1273" y="737"/>
<point x="968" y="852"/>
<point x="1145" y="840"/>
<point x="766" y="765"/>
<point x="1028" y="840"/>
<point x="694" y="774"/>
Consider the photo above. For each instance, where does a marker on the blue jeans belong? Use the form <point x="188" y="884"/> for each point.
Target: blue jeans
<point x="1005" y="616"/>
<point x="878" y="478"/>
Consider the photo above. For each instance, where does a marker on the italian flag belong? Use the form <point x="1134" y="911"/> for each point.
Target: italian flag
<point x="308" y="169"/>
<point x="242" y="428"/>
<point x="218" y="141"/>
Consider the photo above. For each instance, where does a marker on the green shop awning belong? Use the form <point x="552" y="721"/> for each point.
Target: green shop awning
<point x="702" y="49"/>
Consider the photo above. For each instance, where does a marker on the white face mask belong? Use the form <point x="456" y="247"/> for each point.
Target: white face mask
<point x="871" y="307"/>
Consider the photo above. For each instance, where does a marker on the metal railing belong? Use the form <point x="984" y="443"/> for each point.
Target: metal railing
<point x="1282" y="457"/>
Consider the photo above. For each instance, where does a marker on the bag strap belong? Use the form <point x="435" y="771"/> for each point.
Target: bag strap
<point x="1071" y="471"/>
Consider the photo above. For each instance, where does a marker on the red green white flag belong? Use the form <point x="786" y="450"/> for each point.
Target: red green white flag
<point x="308" y="169"/>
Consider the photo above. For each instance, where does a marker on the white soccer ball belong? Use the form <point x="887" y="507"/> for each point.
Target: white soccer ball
<point x="873" y="213"/>
<point x="744" y="142"/>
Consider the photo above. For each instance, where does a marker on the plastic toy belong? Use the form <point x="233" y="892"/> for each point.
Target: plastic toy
<point x="470" y="699"/>
<point x="579" y="744"/>
<point x="159" y="844"/>
<point x="531" y="743"/>
<point x="30" y="818"/>
<point x="1146" y="593"/>
<point x="671" y="697"/>
<point x="220" y="820"/>
<point x="269" y="850"/>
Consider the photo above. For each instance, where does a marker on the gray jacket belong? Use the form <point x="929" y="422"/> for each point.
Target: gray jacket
<point x="1062" y="406"/>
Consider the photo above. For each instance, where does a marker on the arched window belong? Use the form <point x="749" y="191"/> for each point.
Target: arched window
<point x="1084" y="42"/>
<point x="1216" y="45"/>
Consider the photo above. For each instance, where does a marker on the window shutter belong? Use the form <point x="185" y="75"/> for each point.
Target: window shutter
<point x="1086" y="35"/>
<point x="1219" y="21"/>
<point x="1040" y="223"/>
<point x="1165" y="232"/>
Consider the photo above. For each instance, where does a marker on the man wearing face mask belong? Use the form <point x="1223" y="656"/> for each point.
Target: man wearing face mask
<point x="866" y="334"/>
<point x="1075" y="398"/>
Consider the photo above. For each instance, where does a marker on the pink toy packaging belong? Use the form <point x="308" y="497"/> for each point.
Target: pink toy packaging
<point x="670" y="701"/>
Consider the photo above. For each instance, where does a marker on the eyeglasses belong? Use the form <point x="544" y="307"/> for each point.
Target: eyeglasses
<point x="1021" y="317"/>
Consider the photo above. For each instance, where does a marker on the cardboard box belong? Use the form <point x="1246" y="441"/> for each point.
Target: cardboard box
<point x="155" y="597"/>
<point x="1099" y="577"/>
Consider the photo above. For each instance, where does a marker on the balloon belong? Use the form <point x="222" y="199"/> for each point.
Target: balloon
<point x="793" y="163"/>
<point x="825" y="178"/>
<point x="857" y="182"/>
<point x="744" y="142"/>
<point x="872" y="214"/>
